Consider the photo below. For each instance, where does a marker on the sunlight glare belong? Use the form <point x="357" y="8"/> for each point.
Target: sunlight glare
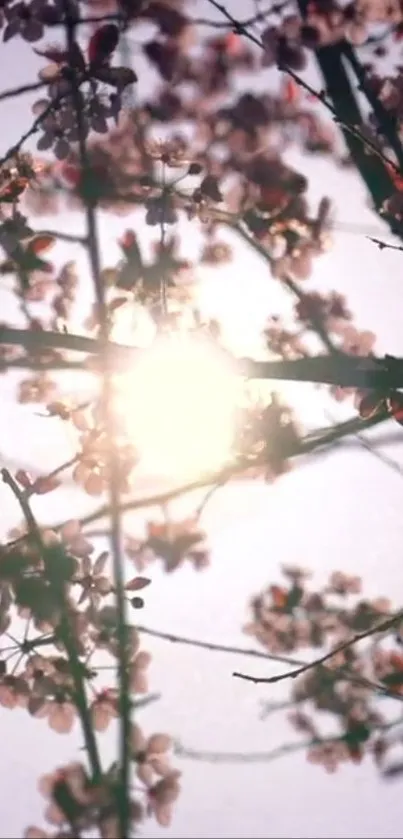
<point x="179" y="403"/>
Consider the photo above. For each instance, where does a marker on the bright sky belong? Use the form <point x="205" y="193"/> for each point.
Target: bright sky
<point x="342" y="511"/>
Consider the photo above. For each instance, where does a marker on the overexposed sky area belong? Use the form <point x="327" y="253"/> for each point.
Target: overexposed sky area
<point x="340" y="511"/>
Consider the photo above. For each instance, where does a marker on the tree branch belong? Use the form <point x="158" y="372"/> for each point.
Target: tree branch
<point x="124" y="703"/>
<point x="382" y="626"/>
<point x="65" y="631"/>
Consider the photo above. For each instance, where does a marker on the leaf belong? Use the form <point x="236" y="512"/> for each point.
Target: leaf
<point x="137" y="583"/>
<point x="128" y="240"/>
<point x="209" y="187"/>
<point x="117" y="303"/>
<point x="396" y="407"/>
<point x="45" y="484"/>
<point x="394" y="770"/>
<point x="55" y="54"/>
<point x="370" y="404"/>
<point x="290" y="91"/>
<point x="13" y="190"/>
<point x="119" y="77"/>
<point x="279" y="596"/>
<point x="195" y="169"/>
<point x="103" y="43"/>
<point x="23" y="478"/>
<point x="40" y="244"/>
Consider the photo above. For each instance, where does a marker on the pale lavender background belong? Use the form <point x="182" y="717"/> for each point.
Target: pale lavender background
<point x="340" y="511"/>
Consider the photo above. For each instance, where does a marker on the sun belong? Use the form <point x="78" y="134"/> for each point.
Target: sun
<point x="179" y="402"/>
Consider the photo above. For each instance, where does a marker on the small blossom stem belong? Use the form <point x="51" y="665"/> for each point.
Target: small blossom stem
<point x="65" y="633"/>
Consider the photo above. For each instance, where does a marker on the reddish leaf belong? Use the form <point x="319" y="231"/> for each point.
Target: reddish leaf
<point x="55" y="54"/>
<point x="40" y="244"/>
<point x="370" y="404"/>
<point x="59" y="409"/>
<point x="71" y="173"/>
<point x="137" y="583"/>
<point x="291" y="91"/>
<point x="396" y="660"/>
<point x="273" y="197"/>
<point x="117" y="303"/>
<point x="23" y="478"/>
<point x="13" y="190"/>
<point x="279" y="596"/>
<point x="232" y="43"/>
<point x="127" y="241"/>
<point x="119" y="77"/>
<point x="45" y="484"/>
<point x="396" y="407"/>
<point x="103" y="43"/>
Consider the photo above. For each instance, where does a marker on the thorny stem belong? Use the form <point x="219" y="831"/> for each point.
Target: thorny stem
<point x="65" y="632"/>
<point x="107" y="394"/>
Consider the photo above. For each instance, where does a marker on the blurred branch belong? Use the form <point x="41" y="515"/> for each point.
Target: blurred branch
<point x="30" y="131"/>
<point x="272" y="754"/>
<point x="308" y="444"/>
<point x="343" y="107"/>
<point x="92" y="240"/>
<point x="19" y="91"/>
<point x="343" y="370"/>
<point x="246" y="757"/>
<point x="74" y="238"/>
<point x="384" y="245"/>
<point x="212" y="647"/>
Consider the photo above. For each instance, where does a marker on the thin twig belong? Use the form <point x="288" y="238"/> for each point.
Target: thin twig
<point x="219" y="648"/>
<point x="19" y="91"/>
<point x="74" y="238"/>
<point x="382" y="626"/>
<point x="384" y="245"/>
<point x="272" y="754"/>
<point x="30" y="131"/>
